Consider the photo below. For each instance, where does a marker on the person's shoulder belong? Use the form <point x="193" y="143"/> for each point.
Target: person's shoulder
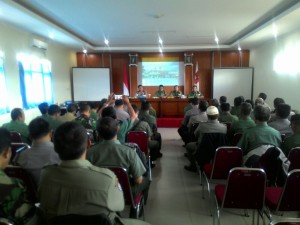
<point x="103" y="171"/>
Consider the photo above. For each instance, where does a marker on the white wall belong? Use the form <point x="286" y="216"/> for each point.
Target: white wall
<point x="284" y="83"/>
<point x="14" y="41"/>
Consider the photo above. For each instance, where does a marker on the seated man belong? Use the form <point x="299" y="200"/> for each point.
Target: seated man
<point x="294" y="140"/>
<point x="76" y="186"/>
<point x="211" y="126"/>
<point x="175" y="93"/>
<point x="201" y="117"/>
<point x="225" y="115"/>
<point x="282" y="123"/>
<point x="70" y="115"/>
<point x="110" y="152"/>
<point x="141" y="92"/>
<point x="120" y="112"/>
<point x="84" y="119"/>
<point x="94" y="109"/>
<point x="235" y="110"/>
<point x="14" y="203"/>
<point x="41" y="152"/>
<point x="161" y="92"/>
<point x="43" y="107"/>
<point x="53" y="116"/>
<point x="17" y="124"/>
<point x="261" y="134"/>
<point x="195" y="93"/>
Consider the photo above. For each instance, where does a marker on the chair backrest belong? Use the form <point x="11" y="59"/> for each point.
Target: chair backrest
<point x="228" y="125"/>
<point x="236" y="138"/>
<point x="207" y="148"/>
<point x="226" y="158"/>
<point x="17" y="148"/>
<point x="124" y="181"/>
<point x="245" y="188"/>
<point x="16" y="137"/>
<point x="22" y="174"/>
<point x="99" y="219"/>
<point x="294" y="158"/>
<point x="140" y="138"/>
<point x="290" y="197"/>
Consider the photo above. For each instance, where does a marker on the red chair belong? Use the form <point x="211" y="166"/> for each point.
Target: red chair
<point x="245" y="189"/>
<point x="236" y="138"/>
<point x="141" y="139"/>
<point x="225" y="159"/>
<point x="15" y="149"/>
<point x="22" y="174"/>
<point x="284" y="199"/>
<point x="16" y="137"/>
<point x="137" y="202"/>
<point x="294" y="158"/>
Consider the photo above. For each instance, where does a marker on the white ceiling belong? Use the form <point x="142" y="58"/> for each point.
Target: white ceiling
<point x="136" y="25"/>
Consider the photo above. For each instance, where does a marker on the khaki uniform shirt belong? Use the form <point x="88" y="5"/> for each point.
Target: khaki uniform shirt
<point x="19" y="127"/>
<point x="78" y="187"/>
<point x="160" y="93"/>
<point x="67" y="117"/>
<point x="151" y="120"/>
<point x="211" y="126"/>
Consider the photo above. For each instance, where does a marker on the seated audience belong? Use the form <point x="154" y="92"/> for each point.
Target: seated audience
<point x="14" y="202"/>
<point x="53" y="116"/>
<point x="223" y="99"/>
<point x="244" y="121"/>
<point x="261" y="134"/>
<point x="195" y="93"/>
<point x="120" y="112"/>
<point x="110" y="152"/>
<point x="139" y="125"/>
<point x="125" y="125"/>
<point x="43" y="107"/>
<point x="201" y="117"/>
<point x="141" y="92"/>
<point x="264" y="97"/>
<point x="189" y="106"/>
<point x="235" y="110"/>
<point x="94" y="109"/>
<point x="294" y="140"/>
<point x="41" y="152"/>
<point x="175" y="93"/>
<point x="214" y="102"/>
<point x="225" y="115"/>
<point x="76" y="186"/>
<point x="192" y="112"/>
<point x="282" y="123"/>
<point x="211" y="126"/>
<point x="161" y="92"/>
<point x="70" y="115"/>
<point x="84" y="119"/>
<point x="17" y="124"/>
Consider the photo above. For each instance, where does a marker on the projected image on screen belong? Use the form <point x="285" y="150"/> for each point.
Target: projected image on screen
<point x="166" y="73"/>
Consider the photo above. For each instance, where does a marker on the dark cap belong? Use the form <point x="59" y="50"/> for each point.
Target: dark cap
<point x="295" y="118"/>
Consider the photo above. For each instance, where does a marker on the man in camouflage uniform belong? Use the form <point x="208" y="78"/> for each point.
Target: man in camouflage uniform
<point x="84" y="119"/>
<point x="14" y="204"/>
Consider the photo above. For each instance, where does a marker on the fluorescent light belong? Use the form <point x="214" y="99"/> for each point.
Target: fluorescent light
<point x="106" y="41"/>
<point x="275" y="30"/>
<point x="84" y="51"/>
<point x="160" y="41"/>
<point x="216" y="39"/>
<point x="160" y="50"/>
<point x="239" y="48"/>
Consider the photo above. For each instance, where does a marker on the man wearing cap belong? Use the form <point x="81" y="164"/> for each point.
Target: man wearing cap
<point x="211" y="126"/>
<point x="294" y="140"/>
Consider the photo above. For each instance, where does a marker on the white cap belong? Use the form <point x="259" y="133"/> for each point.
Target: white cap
<point x="212" y="110"/>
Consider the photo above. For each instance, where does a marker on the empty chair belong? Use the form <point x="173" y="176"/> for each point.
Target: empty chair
<point x="136" y="202"/>
<point x="99" y="219"/>
<point x="245" y="189"/>
<point x="225" y="159"/>
<point x="287" y="198"/>
<point x="294" y="158"/>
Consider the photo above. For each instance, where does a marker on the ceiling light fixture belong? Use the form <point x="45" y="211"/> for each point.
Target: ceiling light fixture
<point x="84" y="51"/>
<point x="239" y="48"/>
<point x="160" y="41"/>
<point x="275" y="30"/>
<point x="106" y="41"/>
<point x="216" y="39"/>
<point x="160" y="50"/>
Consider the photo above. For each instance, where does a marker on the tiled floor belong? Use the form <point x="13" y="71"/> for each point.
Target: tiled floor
<point x="175" y="196"/>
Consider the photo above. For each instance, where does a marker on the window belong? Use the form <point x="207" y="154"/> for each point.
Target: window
<point x="35" y="81"/>
<point x="3" y="92"/>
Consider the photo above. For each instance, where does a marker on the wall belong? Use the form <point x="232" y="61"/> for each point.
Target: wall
<point x="283" y="84"/>
<point x="14" y="41"/>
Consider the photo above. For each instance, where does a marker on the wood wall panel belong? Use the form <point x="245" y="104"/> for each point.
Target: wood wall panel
<point x="207" y="60"/>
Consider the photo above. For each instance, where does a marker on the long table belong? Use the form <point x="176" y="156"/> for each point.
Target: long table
<point x="166" y="107"/>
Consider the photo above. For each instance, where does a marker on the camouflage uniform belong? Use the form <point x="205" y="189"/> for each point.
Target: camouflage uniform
<point x="175" y="93"/>
<point x="87" y="122"/>
<point x="194" y="94"/>
<point x="13" y="200"/>
<point x="160" y="94"/>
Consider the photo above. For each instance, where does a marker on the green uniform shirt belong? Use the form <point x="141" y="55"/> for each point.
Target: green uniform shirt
<point x="113" y="153"/>
<point x="54" y="123"/>
<point x="226" y="117"/>
<point x="14" y="203"/>
<point x="19" y="127"/>
<point x="152" y="112"/>
<point x="86" y="122"/>
<point x="78" y="187"/>
<point x="241" y="125"/>
<point x="151" y="120"/>
<point x="125" y="126"/>
<point x="291" y="142"/>
<point x="139" y="125"/>
<point x="187" y="108"/>
<point x="175" y="93"/>
<point x="259" y="135"/>
<point x="160" y="94"/>
<point x="94" y="115"/>
<point x="194" y="94"/>
<point x="236" y="110"/>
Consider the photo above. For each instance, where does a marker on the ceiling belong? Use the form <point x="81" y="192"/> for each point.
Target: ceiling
<point x="137" y="25"/>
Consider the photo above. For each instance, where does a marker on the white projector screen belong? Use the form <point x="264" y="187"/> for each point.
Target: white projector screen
<point x="233" y="82"/>
<point x="90" y="84"/>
